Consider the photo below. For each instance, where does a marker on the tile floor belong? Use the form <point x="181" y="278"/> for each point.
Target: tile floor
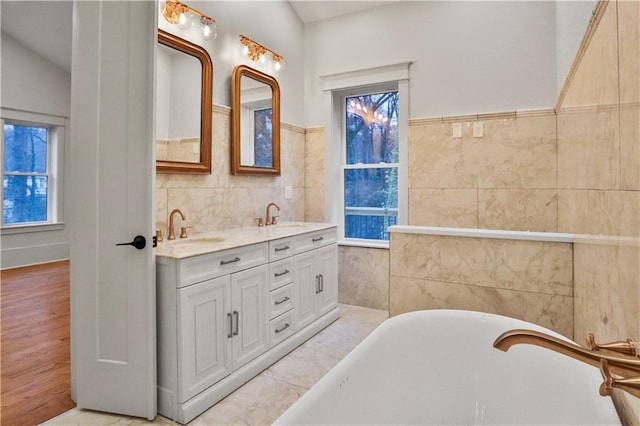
<point x="263" y="399"/>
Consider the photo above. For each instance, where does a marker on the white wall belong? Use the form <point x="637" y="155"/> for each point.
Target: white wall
<point x="572" y="20"/>
<point x="468" y="57"/>
<point x="273" y="24"/>
<point x="31" y="83"/>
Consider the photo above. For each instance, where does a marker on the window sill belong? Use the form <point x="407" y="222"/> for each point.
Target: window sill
<point x="364" y="243"/>
<point x="25" y="229"/>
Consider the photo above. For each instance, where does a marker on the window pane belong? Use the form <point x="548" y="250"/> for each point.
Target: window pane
<point x="25" y="149"/>
<point x="25" y="199"/>
<point x="371" y="202"/>
<point x="372" y="128"/>
<point x="262" y="134"/>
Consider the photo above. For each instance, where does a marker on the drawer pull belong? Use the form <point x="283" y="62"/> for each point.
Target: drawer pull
<point x="277" y="249"/>
<point x="279" y="274"/>
<point x="229" y="335"/>
<point x="280" y="302"/>
<point x="315" y="240"/>
<point x="318" y="290"/>
<point x="227" y="262"/>
<point x="283" y="328"/>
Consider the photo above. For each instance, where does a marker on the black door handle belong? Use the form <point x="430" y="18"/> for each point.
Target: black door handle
<point x="138" y="242"/>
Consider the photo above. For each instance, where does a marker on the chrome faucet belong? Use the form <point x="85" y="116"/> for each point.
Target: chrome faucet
<point x="616" y="362"/>
<point x="270" y="220"/>
<point x="172" y="235"/>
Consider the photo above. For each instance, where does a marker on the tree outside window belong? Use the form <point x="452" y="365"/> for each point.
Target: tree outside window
<point x="371" y="169"/>
<point x="25" y="174"/>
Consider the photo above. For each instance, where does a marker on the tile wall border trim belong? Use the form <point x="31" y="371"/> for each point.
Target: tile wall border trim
<point x="222" y="109"/>
<point x="554" y="237"/>
<point x="292" y="128"/>
<point x="484" y="116"/>
<point x="317" y="129"/>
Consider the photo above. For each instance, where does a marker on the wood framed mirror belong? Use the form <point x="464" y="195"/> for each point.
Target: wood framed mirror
<point x="184" y="97"/>
<point x="255" y="123"/>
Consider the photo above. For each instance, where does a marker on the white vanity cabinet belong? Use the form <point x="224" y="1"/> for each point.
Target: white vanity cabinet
<point x="221" y="326"/>
<point x="317" y="290"/>
<point x="204" y="357"/>
<point x="249" y="335"/>
<point x="224" y="315"/>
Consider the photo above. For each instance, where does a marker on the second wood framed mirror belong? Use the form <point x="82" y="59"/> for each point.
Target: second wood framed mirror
<point x="184" y="102"/>
<point x="255" y="123"/>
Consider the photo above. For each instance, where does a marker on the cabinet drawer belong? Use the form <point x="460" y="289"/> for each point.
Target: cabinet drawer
<point x="280" y="301"/>
<point x="280" y="273"/>
<point x="314" y="240"/>
<point x="279" y="249"/>
<point x="281" y="328"/>
<point x="200" y="268"/>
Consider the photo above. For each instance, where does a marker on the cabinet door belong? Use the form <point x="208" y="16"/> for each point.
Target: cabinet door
<point x="306" y="287"/>
<point x="249" y="309"/>
<point x="204" y="354"/>
<point x="327" y="267"/>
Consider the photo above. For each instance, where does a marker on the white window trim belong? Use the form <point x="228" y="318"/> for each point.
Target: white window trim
<point x="335" y="87"/>
<point x="55" y="159"/>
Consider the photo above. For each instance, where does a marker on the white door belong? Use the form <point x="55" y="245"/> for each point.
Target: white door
<point x="112" y="171"/>
<point x="306" y="288"/>
<point x="204" y="333"/>
<point x="249" y="307"/>
<point x="328" y="269"/>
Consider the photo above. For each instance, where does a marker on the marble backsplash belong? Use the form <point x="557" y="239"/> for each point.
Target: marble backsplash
<point x="220" y="200"/>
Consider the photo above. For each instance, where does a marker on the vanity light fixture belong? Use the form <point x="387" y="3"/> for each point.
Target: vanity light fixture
<point x="184" y="16"/>
<point x="258" y="53"/>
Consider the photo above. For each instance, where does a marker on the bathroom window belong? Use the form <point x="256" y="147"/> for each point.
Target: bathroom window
<point x="366" y="152"/>
<point x="370" y="166"/>
<point x="29" y="172"/>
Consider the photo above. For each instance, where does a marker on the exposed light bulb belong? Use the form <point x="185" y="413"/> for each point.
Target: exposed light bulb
<point x="263" y="59"/>
<point x="185" y="21"/>
<point x="209" y="29"/>
<point x="280" y="65"/>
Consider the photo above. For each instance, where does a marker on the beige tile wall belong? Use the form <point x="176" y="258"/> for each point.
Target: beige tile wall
<point x="599" y="181"/>
<point x="364" y="277"/>
<point x="503" y="180"/>
<point x="220" y="200"/>
<point x="530" y="280"/>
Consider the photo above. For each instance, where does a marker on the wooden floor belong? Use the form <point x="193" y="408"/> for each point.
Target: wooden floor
<point x="35" y="365"/>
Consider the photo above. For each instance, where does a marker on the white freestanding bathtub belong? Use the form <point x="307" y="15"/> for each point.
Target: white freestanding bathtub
<point x="440" y="367"/>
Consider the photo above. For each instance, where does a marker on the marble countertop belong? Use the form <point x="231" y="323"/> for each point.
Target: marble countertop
<point x="211" y="242"/>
